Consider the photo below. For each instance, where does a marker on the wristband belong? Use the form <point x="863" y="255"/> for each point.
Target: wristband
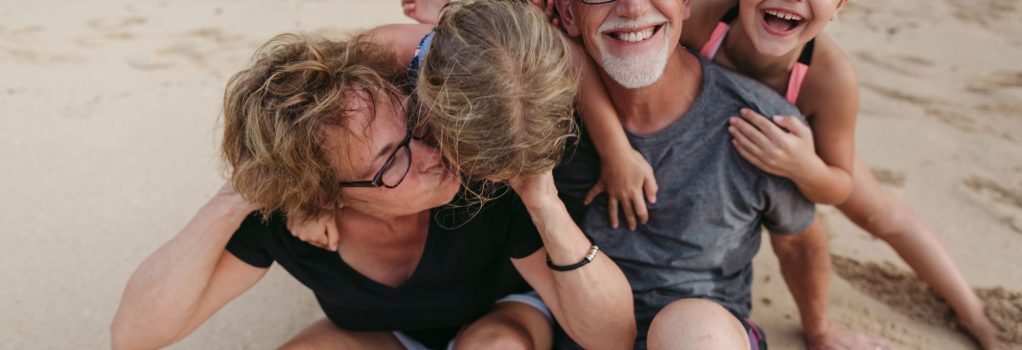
<point x="587" y="259"/>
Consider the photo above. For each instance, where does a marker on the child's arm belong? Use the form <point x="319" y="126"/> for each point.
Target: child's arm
<point x="625" y="174"/>
<point x="790" y="153"/>
<point x="403" y="39"/>
<point x="820" y="161"/>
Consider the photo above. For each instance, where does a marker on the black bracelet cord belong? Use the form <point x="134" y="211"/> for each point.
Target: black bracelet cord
<point x="587" y="259"/>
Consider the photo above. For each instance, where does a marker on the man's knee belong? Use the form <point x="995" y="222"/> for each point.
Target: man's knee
<point x="500" y="333"/>
<point x="696" y="324"/>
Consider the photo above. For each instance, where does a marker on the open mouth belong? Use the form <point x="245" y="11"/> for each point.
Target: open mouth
<point x="635" y="36"/>
<point x="780" y="21"/>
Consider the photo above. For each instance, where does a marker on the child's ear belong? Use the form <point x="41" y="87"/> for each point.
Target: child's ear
<point x="567" y="17"/>
<point x="686" y="8"/>
<point x="840" y="5"/>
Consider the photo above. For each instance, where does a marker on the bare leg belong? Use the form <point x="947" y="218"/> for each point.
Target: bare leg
<point x="323" y="334"/>
<point x="510" y="326"/>
<point x="696" y="324"/>
<point x="882" y="215"/>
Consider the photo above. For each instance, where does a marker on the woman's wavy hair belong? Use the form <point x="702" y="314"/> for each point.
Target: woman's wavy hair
<point x="277" y="111"/>
<point x="497" y="87"/>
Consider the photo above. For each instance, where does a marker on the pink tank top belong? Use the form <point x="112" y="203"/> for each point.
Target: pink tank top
<point x="798" y="73"/>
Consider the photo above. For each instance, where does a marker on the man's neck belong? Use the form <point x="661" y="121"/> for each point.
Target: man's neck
<point x="652" y="108"/>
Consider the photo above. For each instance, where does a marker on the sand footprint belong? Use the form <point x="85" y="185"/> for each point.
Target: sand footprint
<point x="933" y="108"/>
<point x="1003" y="202"/>
<point x="905" y="293"/>
<point x="903" y="65"/>
<point x="888" y="177"/>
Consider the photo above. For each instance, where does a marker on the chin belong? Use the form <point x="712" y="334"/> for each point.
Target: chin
<point x="775" y="48"/>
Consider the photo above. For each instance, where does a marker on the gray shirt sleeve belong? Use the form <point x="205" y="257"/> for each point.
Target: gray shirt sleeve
<point x="787" y="210"/>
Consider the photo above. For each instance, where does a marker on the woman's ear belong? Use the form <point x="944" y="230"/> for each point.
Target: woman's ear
<point x="567" y="18"/>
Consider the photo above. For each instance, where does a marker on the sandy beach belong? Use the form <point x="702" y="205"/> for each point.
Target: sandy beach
<point x="109" y="115"/>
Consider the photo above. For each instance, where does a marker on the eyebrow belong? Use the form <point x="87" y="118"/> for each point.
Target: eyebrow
<point x="383" y="153"/>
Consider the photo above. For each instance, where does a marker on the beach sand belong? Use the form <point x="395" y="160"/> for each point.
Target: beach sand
<point x="108" y="146"/>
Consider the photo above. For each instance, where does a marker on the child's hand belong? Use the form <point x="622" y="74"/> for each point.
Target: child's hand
<point x="628" y="181"/>
<point x="780" y="152"/>
<point x="424" y="11"/>
<point x="320" y="232"/>
<point x="548" y="8"/>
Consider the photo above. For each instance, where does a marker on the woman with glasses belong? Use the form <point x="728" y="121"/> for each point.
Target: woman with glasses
<point x="320" y="128"/>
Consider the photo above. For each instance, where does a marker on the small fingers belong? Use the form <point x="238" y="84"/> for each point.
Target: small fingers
<point x="626" y="205"/>
<point x="593" y="192"/>
<point x="650" y="187"/>
<point x="612" y="212"/>
<point x="741" y="127"/>
<point x="641" y="213"/>
<point x="748" y="156"/>
<point x="744" y="141"/>
<point x="764" y="124"/>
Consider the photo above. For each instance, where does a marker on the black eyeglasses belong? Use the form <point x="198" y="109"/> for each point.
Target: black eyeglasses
<point x="396" y="167"/>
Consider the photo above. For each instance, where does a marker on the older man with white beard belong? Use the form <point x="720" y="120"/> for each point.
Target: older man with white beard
<point x="690" y="266"/>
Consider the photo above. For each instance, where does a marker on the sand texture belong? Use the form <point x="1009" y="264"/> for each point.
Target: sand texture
<point x="109" y="130"/>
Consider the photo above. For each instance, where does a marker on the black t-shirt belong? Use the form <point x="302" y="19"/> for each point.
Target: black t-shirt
<point x="464" y="268"/>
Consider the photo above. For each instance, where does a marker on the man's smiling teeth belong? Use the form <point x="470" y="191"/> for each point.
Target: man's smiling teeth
<point x="634" y="36"/>
<point x="784" y="15"/>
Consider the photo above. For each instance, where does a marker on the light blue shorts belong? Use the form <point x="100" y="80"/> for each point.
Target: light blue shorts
<point x="531" y="298"/>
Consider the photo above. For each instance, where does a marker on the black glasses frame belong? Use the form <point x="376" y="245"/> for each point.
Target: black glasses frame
<point x="415" y="132"/>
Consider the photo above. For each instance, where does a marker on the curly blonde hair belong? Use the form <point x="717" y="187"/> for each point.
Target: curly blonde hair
<point x="498" y="88"/>
<point x="277" y="110"/>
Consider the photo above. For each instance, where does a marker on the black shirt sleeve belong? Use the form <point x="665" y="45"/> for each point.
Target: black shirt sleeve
<point x="521" y="238"/>
<point x="244" y="244"/>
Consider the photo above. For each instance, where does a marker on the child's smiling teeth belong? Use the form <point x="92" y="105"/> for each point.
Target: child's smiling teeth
<point x="784" y="15"/>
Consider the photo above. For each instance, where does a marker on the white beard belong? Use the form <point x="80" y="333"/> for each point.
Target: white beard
<point x="634" y="71"/>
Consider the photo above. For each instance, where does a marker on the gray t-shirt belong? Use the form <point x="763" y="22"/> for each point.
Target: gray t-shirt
<point x="704" y="228"/>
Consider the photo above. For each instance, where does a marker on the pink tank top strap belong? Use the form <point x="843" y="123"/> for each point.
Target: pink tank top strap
<point x="799" y="72"/>
<point x="798" y="76"/>
<point x="716" y="39"/>
<point x="710" y="48"/>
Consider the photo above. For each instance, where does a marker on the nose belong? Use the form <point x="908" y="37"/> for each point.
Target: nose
<point x="632" y="8"/>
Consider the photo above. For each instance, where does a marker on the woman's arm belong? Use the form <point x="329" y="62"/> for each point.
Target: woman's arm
<point x="187" y="280"/>
<point x="593" y="303"/>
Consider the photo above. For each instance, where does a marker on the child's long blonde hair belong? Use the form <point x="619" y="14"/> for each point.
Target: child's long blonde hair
<point x="497" y="87"/>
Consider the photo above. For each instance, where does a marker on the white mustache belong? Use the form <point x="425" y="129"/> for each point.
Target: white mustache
<point x="619" y="23"/>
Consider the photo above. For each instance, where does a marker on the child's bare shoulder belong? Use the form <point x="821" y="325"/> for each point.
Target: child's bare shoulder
<point x="832" y="79"/>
